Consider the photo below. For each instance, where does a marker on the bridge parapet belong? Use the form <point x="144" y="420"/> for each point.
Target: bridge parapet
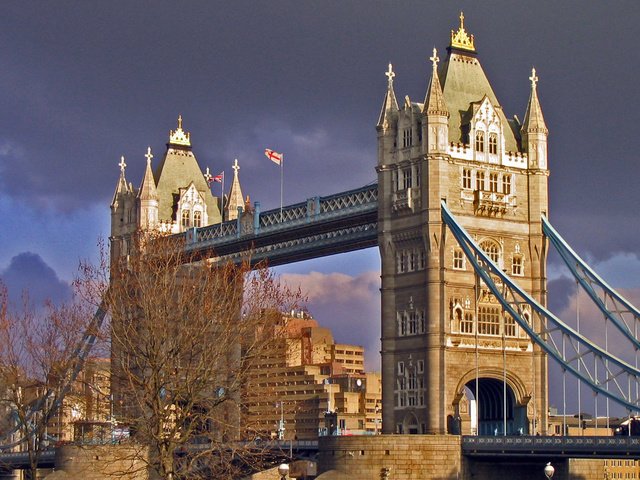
<point x="314" y="209"/>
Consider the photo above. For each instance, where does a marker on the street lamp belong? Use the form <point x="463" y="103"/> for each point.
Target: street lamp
<point x="283" y="470"/>
<point x="549" y="471"/>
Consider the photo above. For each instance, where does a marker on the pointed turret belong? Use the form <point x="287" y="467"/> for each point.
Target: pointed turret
<point x="436" y="112"/>
<point x="121" y="188"/>
<point x="148" y="197"/>
<point x="534" y="130"/>
<point x="123" y="214"/>
<point x="390" y="108"/>
<point x="235" y="199"/>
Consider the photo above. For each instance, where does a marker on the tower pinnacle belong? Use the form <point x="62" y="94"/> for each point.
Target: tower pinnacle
<point x="461" y="39"/>
<point x="149" y="156"/>
<point x="533" y="119"/>
<point x="390" y="104"/>
<point x="122" y="165"/>
<point x="434" y="103"/>
<point x="179" y="136"/>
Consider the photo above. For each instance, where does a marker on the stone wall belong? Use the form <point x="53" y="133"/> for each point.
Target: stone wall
<point x="408" y="457"/>
<point x="102" y="462"/>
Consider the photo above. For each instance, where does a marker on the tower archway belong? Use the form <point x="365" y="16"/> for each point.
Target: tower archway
<point x="493" y="411"/>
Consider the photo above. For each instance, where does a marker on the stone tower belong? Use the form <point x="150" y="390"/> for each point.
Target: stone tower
<point x="173" y="199"/>
<point x="449" y="353"/>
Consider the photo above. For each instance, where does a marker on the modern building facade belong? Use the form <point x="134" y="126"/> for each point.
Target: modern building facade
<point x="445" y="340"/>
<point x="310" y="385"/>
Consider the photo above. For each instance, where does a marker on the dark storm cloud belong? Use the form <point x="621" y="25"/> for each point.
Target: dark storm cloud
<point x="84" y="82"/>
<point x="28" y="273"/>
<point x="561" y="291"/>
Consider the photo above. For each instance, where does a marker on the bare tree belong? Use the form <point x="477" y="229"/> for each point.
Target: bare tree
<point x="41" y="351"/>
<point x="184" y="335"/>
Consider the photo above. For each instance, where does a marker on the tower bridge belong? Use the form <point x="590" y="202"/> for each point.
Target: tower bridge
<point x="459" y="216"/>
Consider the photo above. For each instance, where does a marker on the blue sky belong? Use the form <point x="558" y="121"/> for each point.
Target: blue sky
<point x="82" y="83"/>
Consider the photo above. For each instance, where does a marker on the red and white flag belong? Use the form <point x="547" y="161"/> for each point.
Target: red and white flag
<point x="275" y="157"/>
<point x="218" y="178"/>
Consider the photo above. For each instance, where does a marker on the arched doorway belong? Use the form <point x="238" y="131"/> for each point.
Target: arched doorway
<point x="491" y="409"/>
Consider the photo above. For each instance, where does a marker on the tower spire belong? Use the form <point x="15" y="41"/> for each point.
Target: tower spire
<point x="434" y="103"/>
<point x="179" y="136"/>
<point x="533" y="119"/>
<point x="148" y="196"/>
<point x="390" y="104"/>
<point x="235" y="194"/>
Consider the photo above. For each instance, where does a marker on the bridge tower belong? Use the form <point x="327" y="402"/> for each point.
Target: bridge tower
<point x="445" y="339"/>
<point x="173" y="199"/>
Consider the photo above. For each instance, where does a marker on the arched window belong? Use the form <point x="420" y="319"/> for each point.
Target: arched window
<point x="491" y="249"/>
<point x="197" y="218"/>
<point x="493" y="143"/>
<point x="479" y="141"/>
<point x="186" y="218"/>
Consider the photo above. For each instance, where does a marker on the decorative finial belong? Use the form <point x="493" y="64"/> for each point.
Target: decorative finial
<point x="434" y="58"/>
<point x="390" y="74"/>
<point x="461" y="39"/>
<point x="122" y="165"/>
<point x="179" y="136"/>
<point x="235" y="166"/>
<point x="149" y="156"/>
<point x="533" y="78"/>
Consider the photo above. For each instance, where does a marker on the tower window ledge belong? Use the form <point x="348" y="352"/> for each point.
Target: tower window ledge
<point x="408" y="199"/>
<point x="492" y="203"/>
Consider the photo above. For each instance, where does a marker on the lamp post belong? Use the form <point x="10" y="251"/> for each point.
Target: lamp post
<point x="549" y="471"/>
<point x="283" y="470"/>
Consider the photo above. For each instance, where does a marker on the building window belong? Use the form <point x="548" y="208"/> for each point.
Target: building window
<point x="422" y="327"/>
<point x="420" y="366"/>
<point x="407" y="178"/>
<point x="466" y="178"/>
<point x="413" y="323"/>
<point x="506" y="184"/>
<point x="458" y="259"/>
<point x="489" y="320"/>
<point x="509" y="326"/>
<point x="466" y="324"/>
<point x="413" y="261"/>
<point x="479" y="141"/>
<point x="402" y="324"/>
<point x="516" y="265"/>
<point x="185" y="218"/>
<point x="491" y="249"/>
<point x="423" y="259"/>
<point x="407" y="137"/>
<point x="493" y="182"/>
<point x="400" y="368"/>
<point x="493" y="143"/>
<point x="479" y="180"/>
<point x="402" y="262"/>
<point x="197" y="219"/>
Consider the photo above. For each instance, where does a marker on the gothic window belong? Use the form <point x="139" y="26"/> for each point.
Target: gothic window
<point x="400" y="368"/>
<point x="401" y="382"/>
<point x="413" y="261"/>
<point x="493" y="182"/>
<point x="413" y="323"/>
<point x="197" y="218"/>
<point x="422" y="327"/>
<point x="423" y="259"/>
<point x="491" y="249"/>
<point x="509" y="326"/>
<point x="489" y="320"/>
<point x="493" y="143"/>
<point x="479" y="141"/>
<point x="407" y="137"/>
<point x="185" y="218"/>
<point x="420" y="366"/>
<point x="419" y="130"/>
<point x="458" y="259"/>
<point x="402" y="262"/>
<point x="516" y="265"/>
<point x="466" y="178"/>
<point x="479" y="180"/>
<point x="506" y="184"/>
<point x="407" y="178"/>
<point x="413" y="381"/>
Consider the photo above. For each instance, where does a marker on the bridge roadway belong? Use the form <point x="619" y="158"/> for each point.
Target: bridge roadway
<point x="481" y="447"/>
<point x="321" y="226"/>
<point x="501" y="447"/>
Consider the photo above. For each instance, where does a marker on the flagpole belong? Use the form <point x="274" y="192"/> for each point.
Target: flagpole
<point x="222" y="199"/>
<point x="281" y="184"/>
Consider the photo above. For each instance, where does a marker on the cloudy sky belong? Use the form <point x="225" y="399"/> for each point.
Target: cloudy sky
<point x="82" y="83"/>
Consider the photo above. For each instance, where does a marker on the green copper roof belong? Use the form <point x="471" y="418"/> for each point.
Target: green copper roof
<point x="463" y="83"/>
